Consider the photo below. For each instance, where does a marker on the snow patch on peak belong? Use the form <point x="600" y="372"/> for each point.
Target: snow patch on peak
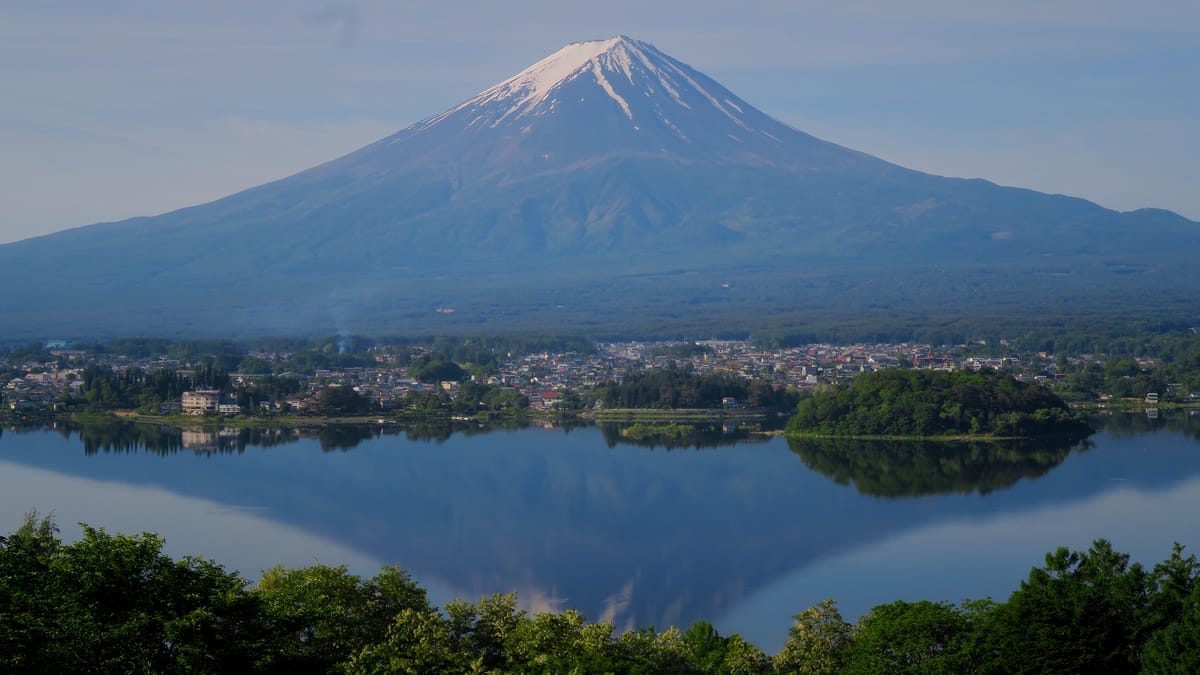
<point x="664" y="81"/>
<point x="609" y="90"/>
<point x="531" y="86"/>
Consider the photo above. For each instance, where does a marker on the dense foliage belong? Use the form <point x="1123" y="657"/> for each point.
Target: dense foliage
<point x="436" y="368"/>
<point x="339" y="400"/>
<point x="674" y="387"/>
<point x="117" y="603"/>
<point x="105" y="389"/>
<point x="1172" y="374"/>
<point x="931" y="403"/>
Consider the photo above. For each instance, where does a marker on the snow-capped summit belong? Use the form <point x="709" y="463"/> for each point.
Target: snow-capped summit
<point x="634" y="65"/>
<point x="530" y="87"/>
<point x="612" y="97"/>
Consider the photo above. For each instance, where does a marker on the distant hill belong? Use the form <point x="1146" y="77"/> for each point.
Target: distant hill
<point x="607" y="186"/>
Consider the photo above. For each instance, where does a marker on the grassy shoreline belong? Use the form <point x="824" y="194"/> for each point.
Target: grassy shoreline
<point x="608" y="415"/>
<point x="1131" y="405"/>
<point x="667" y="414"/>
<point x="945" y="438"/>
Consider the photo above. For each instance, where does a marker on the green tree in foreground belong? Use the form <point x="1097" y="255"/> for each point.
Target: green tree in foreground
<point x="818" y="642"/>
<point x="323" y="615"/>
<point x="1175" y="648"/>
<point x="913" y="637"/>
<point x="116" y="603"/>
<point x="27" y="613"/>
<point x="1081" y="612"/>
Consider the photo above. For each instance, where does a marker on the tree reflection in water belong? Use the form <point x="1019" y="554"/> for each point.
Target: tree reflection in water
<point x="915" y="468"/>
<point x="700" y="435"/>
<point x="1125" y="424"/>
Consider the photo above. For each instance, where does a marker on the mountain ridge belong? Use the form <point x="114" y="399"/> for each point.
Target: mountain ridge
<point x="603" y="161"/>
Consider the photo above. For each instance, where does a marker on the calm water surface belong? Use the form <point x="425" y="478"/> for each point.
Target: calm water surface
<point x="744" y="534"/>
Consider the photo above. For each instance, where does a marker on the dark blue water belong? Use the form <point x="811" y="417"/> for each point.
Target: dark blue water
<point x="744" y="535"/>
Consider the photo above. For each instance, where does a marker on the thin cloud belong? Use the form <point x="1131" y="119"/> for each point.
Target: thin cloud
<point x="344" y="17"/>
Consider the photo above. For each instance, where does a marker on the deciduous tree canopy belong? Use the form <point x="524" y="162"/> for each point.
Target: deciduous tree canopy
<point x="117" y="603"/>
<point x="932" y="403"/>
<point x="675" y="387"/>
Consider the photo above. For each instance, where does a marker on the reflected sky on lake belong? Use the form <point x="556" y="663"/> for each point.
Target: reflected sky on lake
<point x="190" y="526"/>
<point x="245" y="537"/>
<point x="744" y="536"/>
<point x="972" y="558"/>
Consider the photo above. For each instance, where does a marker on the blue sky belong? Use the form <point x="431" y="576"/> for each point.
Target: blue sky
<point x="136" y="107"/>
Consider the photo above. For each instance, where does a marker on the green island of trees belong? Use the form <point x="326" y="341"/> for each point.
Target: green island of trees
<point x="117" y="603"/>
<point x="927" y="403"/>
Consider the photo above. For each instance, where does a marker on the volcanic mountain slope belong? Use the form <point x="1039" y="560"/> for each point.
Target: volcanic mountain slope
<point x="604" y="160"/>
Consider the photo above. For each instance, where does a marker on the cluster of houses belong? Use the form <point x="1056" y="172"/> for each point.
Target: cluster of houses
<point x="38" y="391"/>
<point x="544" y="378"/>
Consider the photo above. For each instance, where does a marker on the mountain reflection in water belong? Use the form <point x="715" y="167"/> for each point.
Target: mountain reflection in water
<point x="743" y="535"/>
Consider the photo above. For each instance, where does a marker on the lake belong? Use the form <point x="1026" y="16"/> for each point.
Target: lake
<point x="735" y="528"/>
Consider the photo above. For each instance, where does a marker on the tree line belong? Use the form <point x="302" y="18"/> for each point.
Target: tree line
<point x="681" y="387"/>
<point x="932" y="403"/>
<point x="117" y="603"/>
<point x="1123" y="377"/>
<point x="308" y="354"/>
<point x="102" y="388"/>
<point x="105" y="389"/>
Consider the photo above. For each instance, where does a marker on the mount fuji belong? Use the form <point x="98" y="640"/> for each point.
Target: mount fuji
<point x="608" y="186"/>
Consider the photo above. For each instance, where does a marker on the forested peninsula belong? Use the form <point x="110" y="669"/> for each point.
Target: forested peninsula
<point x="929" y="403"/>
